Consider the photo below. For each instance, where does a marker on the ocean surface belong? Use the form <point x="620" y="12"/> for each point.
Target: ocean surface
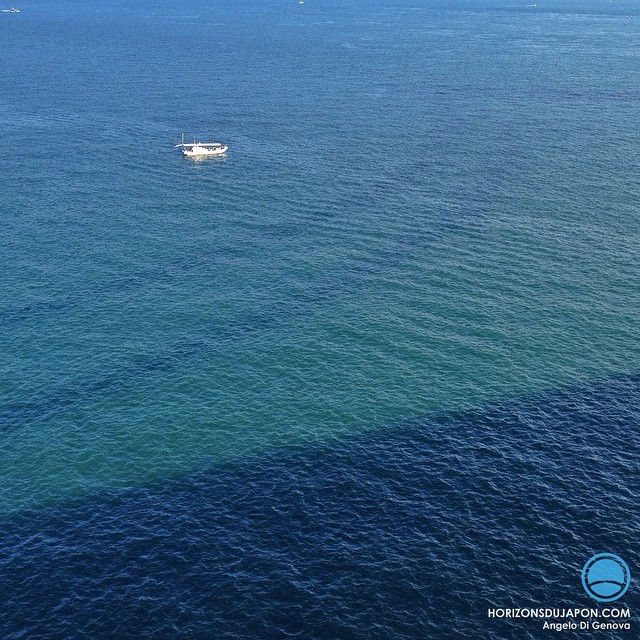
<point x="369" y="375"/>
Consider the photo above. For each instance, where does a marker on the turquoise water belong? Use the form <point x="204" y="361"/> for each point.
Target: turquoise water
<point x="424" y="208"/>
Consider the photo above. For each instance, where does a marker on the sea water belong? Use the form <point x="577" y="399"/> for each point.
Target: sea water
<point x="372" y="368"/>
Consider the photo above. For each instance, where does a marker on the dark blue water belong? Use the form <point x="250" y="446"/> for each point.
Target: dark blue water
<point x="413" y="532"/>
<point x="369" y="375"/>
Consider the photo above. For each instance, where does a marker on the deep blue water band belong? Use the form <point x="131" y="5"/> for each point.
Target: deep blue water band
<point x="409" y="532"/>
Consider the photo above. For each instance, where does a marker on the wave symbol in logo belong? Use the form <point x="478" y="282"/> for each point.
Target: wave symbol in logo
<point x="606" y="577"/>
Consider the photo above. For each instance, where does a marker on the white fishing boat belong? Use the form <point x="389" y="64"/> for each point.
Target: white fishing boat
<point x="202" y="149"/>
<point x="12" y="10"/>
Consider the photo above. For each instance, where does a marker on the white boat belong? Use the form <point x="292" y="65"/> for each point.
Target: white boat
<point x="202" y="149"/>
<point x="12" y="10"/>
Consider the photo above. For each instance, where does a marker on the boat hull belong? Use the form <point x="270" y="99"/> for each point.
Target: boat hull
<point x="204" y="153"/>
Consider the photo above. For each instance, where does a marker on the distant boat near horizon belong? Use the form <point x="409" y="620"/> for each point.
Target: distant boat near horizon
<point x="201" y="149"/>
<point x="12" y="10"/>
